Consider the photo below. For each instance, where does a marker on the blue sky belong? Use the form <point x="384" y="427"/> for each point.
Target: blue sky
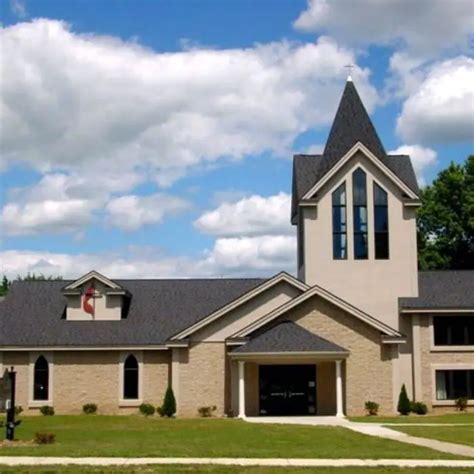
<point x="154" y="138"/>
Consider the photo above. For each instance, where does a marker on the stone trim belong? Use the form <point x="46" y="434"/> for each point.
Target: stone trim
<point x="33" y="357"/>
<point x="127" y="402"/>
<point x="88" y="276"/>
<point x="83" y="348"/>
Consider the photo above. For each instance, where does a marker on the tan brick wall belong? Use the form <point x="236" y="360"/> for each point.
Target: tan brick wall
<point x="326" y="388"/>
<point x="202" y="378"/>
<point x="368" y="369"/>
<point x="81" y="377"/>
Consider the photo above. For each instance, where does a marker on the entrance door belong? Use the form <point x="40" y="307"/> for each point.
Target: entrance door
<point x="287" y="390"/>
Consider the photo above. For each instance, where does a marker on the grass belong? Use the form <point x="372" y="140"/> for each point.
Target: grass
<point x="447" y="418"/>
<point x="452" y="434"/>
<point x="230" y="470"/>
<point x="135" y="436"/>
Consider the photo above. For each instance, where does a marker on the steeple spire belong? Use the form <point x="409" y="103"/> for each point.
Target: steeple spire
<point x="352" y="124"/>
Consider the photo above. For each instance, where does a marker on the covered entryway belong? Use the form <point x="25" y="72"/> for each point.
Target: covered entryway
<point x="287" y="390"/>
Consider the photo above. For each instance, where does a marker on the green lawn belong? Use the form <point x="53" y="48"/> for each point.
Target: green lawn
<point x="134" y="436"/>
<point x="230" y="470"/>
<point x="447" y="418"/>
<point x="453" y="434"/>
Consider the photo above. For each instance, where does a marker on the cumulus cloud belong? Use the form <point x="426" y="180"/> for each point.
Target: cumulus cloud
<point x="80" y="101"/>
<point x="440" y="110"/>
<point x="421" y="25"/>
<point x="250" y="216"/>
<point x="422" y="159"/>
<point x="131" y="212"/>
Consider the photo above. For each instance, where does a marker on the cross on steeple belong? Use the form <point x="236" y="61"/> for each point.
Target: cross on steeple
<point x="350" y="67"/>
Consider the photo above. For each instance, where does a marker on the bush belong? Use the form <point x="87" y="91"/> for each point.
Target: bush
<point x="147" y="409"/>
<point x="419" y="408"/>
<point x="372" y="408"/>
<point x="169" y="404"/>
<point x="18" y="410"/>
<point x="42" y="437"/>
<point x="46" y="410"/>
<point x="89" y="408"/>
<point x="403" y="406"/>
<point x="206" y="412"/>
<point x="461" y="403"/>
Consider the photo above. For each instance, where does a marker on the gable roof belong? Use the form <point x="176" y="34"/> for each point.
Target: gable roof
<point x="32" y="314"/>
<point x="288" y="336"/>
<point x="446" y="289"/>
<point x="89" y="276"/>
<point x="351" y="125"/>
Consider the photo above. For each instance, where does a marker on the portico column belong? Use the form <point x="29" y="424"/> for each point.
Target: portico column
<point x="241" y="389"/>
<point x="339" y="403"/>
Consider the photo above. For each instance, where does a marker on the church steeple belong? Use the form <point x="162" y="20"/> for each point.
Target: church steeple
<point x="352" y="124"/>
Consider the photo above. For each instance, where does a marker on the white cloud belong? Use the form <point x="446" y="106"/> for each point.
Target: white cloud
<point x="250" y="216"/>
<point x="421" y="25"/>
<point x="18" y="8"/>
<point x="440" y="110"/>
<point x="75" y="101"/>
<point x="422" y="159"/>
<point x="131" y="212"/>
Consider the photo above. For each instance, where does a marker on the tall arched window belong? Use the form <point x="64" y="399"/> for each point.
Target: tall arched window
<point x="380" y="222"/>
<point x="339" y="225"/>
<point x="359" y="202"/>
<point x="130" y="378"/>
<point x="41" y="379"/>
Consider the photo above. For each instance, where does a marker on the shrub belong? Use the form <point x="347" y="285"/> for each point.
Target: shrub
<point x="206" y="412"/>
<point x="169" y="404"/>
<point x="461" y="403"/>
<point x="46" y="410"/>
<point x="403" y="406"/>
<point x="42" y="437"/>
<point x="419" y="408"/>
<point x="89" y="408"/>
<point x="147" y="409"/>
<point x="372" y="408"/>
<point x="18" y="410"/>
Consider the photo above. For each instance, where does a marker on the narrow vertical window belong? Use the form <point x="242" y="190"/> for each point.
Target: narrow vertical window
<point x="359" y="201"/>
<point x="41" y="379"/>
<point x="380" y="222"/>
<point x="339" y="225"/>
<point x="130" y="378"/>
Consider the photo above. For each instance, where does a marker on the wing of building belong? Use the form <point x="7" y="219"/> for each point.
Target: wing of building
<point x="357" y="322"/>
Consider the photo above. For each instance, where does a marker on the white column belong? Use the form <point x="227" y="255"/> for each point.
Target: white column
<point x="339" y="403"/>
<point x="241" y="389"/>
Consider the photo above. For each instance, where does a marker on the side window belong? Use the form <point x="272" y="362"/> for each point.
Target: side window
<point x="339" y="223"/>
<point x="41" y="379"/>
<point x="130" y="378"/>
<point x="381" y="223"/>
<point x="359" y="202"/>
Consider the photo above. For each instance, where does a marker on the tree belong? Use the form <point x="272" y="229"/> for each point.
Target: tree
<point x="446" y="220"/>
<point x="404" y="405"/>
<point x="38" y="277"/>
<point x="169" y="404"/>
<point x="4" y="286"/>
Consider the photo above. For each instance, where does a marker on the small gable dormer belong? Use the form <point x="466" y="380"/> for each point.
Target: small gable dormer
<point x="94" y="297"/>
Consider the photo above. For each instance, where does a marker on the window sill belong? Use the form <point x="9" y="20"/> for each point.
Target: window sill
<point x="452" y="349"/>
<point x="39" y="403"/>
<point x="447" y="403"/>
<point x="130" y="403"/>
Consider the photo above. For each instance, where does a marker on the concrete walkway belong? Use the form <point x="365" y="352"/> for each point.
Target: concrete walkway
<point x="371" y="429"/>
<point x="55" y="461"/>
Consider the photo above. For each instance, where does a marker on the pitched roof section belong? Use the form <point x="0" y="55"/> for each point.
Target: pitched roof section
<point x="32" y="313"/>
<point x="89" y="276"/>
<point x="443" y="290"/>
<point x="288" y="337"/>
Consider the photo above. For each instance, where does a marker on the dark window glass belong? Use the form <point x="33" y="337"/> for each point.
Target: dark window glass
<point x="339" y="224"/>
<point x="380" y="222"/>
<point x="130" y="378"/>
<point x="359" y="198"/>
<point x="452" y="384"/>
<point x="41" y="379"/>
<point x="453" y="330"/>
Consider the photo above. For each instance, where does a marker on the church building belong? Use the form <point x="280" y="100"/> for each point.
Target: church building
<point x="356" y="321"/>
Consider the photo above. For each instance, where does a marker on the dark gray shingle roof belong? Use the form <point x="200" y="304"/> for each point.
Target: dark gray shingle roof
<point x="443" y="289"/>
<point x="32" y="313"/>
<point x="287" y="336"/>
<point x="351" y="124"/>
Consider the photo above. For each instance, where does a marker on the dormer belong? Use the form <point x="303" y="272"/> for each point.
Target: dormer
<point x="94" y="297"/>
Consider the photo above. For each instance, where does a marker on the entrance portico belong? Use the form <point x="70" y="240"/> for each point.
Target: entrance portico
<point x="288" y="371"/>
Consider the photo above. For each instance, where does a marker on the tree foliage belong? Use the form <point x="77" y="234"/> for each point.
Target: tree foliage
<point x="404" y="405"/>
<point x="446" y="220"/>
<point x="6" y="283"/>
